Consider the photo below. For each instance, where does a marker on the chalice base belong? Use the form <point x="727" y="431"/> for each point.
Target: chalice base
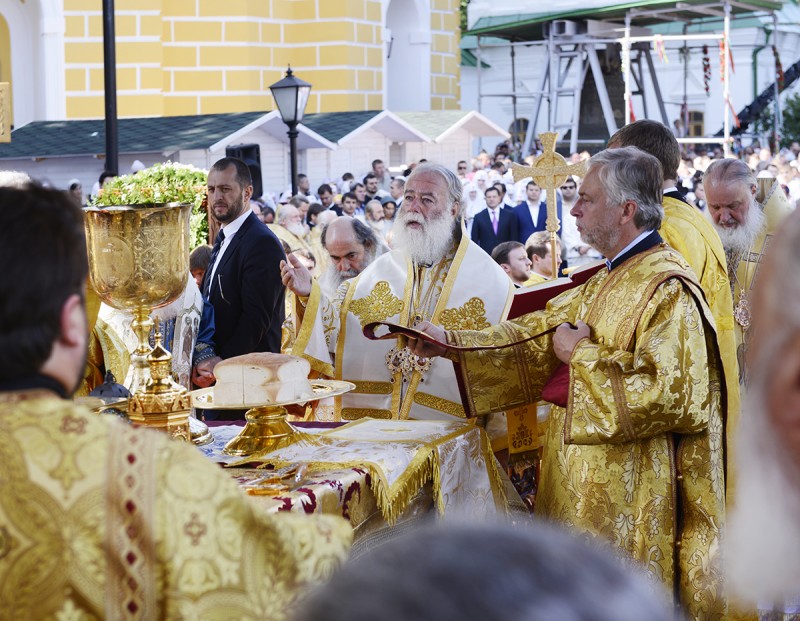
<point x="175" y="424"/>
<point x="266" y="430"/>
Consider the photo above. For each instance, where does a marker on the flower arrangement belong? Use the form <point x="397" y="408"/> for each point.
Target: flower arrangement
<point x="169" y="182"/>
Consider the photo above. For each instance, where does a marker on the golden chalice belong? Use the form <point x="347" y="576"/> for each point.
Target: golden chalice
<point x="139" y="261"/>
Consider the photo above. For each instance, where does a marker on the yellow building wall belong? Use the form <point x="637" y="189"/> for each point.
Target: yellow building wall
<point x="5" y="62"/>
<point x="177" y="57"/>
<point x="445" y="55"/>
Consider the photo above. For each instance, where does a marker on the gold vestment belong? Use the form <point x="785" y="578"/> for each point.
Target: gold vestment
<point x="689" y="232"/>
<point x="535" y="279"/>
<point x="290" y="239"/>
<point x="101" y="520"/>
<point x="776" y="206"/>
<point x="637" y="456"/>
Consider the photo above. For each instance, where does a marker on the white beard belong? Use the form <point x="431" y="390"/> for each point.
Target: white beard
<point x="427" y="245"/>
<point x="297" y="229"/>
<point x="739" y="239"/>
<point x="763" y="539"/>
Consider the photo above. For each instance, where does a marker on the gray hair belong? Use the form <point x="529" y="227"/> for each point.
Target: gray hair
<point x="729" y="171"/>
<point x="285" y="211"/>
<point x="486" y="573"/>
<point x="365" y="235"/>
<point x="454" y="185"/>
<point x="630" y="174"/>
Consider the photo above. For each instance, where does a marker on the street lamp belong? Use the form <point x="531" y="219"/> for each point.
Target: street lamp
<point x="291" y="97"/>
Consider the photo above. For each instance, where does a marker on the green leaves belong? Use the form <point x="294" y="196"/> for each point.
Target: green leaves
<point x="169" y="182"/>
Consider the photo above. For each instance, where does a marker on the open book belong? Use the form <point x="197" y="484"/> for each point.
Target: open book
<point x="536" y="297"/>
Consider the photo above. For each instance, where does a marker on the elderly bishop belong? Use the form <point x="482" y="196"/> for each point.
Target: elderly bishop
<point x="633" y="450"/>
<point x="435" y="274"/>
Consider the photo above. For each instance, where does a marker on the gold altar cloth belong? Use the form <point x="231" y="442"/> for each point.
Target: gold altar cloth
<point x="401" y="457"/>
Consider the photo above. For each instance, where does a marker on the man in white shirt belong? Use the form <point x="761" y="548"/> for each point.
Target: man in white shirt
<point x="578" y="252"/>
<point x="243" y="280"/>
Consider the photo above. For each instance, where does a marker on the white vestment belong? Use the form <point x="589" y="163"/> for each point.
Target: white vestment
<point x="465" y="290"/>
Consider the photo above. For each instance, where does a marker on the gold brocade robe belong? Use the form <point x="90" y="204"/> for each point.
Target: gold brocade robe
<point x="101" y="520"/>
<point x="689" y="232"/>
<point x="776" y="206"/>
<point x="637" y="456"/>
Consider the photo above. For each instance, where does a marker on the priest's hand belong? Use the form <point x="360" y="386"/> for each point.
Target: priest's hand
<point x="424" y="349"/>
<point x="566" y="338"/>
<point x="296" y="276"/>
<point x="203" y="372"/>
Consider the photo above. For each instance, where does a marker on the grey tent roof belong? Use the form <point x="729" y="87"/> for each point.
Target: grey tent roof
<point x="136" y="135"/>
<point x="336" y="125"/>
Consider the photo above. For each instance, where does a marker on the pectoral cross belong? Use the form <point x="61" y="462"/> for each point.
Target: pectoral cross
<point x="549" y="171"/>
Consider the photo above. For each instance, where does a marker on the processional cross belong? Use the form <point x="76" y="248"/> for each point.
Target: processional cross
<point x="549" y="171"/>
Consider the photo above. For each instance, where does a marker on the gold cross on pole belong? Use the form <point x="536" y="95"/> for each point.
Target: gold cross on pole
<point x="549" y="171"/>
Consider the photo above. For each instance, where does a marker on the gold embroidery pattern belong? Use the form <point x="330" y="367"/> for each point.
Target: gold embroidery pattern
<point x="356" y="413"/>
<point x="632" y="393"/>
<point x="373" y="388"/>
<point x="84" y="546"/>
<point x="379" y="305"/>
<point x="438" y="403"/>
<point x="470" y="316"/>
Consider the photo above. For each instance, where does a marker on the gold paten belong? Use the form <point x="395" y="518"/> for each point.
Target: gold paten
<point x="138" y="261"/>
<point x="266" y="428"/>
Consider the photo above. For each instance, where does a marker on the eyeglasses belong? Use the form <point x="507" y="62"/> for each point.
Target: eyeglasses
<point x="462" y="167"/>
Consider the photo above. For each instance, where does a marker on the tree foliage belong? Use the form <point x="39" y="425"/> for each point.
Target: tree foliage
<point x="462" y="6"/>
<point x="791" y="120"/>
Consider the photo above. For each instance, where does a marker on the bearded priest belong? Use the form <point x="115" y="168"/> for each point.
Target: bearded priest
<point x="746" y="213"/>
<point x="633" y="451"/>
<point x="435" y="274"/>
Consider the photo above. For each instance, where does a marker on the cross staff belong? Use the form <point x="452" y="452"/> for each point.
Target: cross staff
<point x="549" y="171"/>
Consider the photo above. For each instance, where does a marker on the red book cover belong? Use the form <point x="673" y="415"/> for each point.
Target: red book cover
<point x="536" y="297"/>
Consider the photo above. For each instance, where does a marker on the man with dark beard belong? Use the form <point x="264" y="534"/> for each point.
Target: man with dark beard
<point x="100" y="519"/>
<point x="351" y="246"/>
<point x="434" y="274"/>
<point x="745" y="212"/>
<point x="763" y="539"/>
<point x="242" y="281"/>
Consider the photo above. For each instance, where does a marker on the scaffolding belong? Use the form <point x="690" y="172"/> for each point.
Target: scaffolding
<point x="573" y="40"/>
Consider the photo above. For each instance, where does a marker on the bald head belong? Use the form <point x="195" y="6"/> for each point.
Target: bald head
<point x="351" y="244"/>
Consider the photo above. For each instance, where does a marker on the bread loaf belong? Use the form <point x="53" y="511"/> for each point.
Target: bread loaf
<point x="261" y="378"/>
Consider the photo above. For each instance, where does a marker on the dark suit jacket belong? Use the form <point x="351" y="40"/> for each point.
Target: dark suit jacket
<point x="527" y="226"/>
<point x="247" y="292"/>
<point x="483" y="233"/>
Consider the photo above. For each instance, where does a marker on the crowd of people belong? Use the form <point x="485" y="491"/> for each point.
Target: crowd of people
<point x="688" y="303"/>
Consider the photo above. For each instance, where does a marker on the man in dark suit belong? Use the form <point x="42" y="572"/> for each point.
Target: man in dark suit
<point x="243" y="279"/>
<point x="531" y="213"/>
<point x="494" y="225"/>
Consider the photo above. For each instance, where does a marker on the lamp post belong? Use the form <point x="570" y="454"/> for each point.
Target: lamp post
<point x="291" y="97"/>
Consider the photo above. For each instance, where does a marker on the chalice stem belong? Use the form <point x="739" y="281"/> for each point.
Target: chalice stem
<point x="139" y="372"/>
